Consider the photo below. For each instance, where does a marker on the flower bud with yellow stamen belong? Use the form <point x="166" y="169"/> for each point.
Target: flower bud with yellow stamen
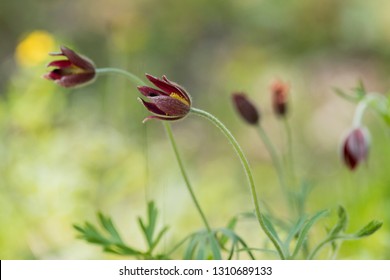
<point x="169" y="102"/>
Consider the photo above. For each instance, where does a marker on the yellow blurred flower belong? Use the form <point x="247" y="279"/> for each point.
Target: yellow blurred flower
<point x="33" y="49"/>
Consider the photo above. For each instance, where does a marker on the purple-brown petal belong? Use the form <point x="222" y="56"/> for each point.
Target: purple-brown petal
<point x="164" y="85"/>
<point x="75" y="79"/>
<point x="53" y="75"/>
<point x="60" y="63"/>
<point x="171" y="106"/>
<point x="78" y="60"/>
<point x="150" y="92"/>
<point x="349" y="159"/>
<point x="152" y="107"/>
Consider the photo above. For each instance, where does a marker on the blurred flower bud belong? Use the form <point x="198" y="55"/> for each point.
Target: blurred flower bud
<point x="355" y="147"/>
<point x="74" y="70"/>
<point x="279" y="91"/>
<point x="245" y="108"/>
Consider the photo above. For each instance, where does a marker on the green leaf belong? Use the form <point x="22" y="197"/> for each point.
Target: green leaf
<point x="158" y="238"/>
<point x="215" y="249"/>
<point x="108" y="225"/>
<point x="305" y="230"/>
<point x="202" y="249"/>
<point x="334" y="236"/>
<point x="369" y="229"/>
<point x="236" y="241"/>
<point x="342" y="222"/>
<point x="191" y="248"/>
<point x="360" y="90"/>
<point x="271" y="228"/>
<point x="109" y="238"/>
<point x="349" y="97"/>
<point x="111" y="241"/>
<point x="203" y="245"/>
<point x="282" y="250"/>
<point x="295" y="230"/>
<point x="149" y="227"/>
<point x="231" y="225"/>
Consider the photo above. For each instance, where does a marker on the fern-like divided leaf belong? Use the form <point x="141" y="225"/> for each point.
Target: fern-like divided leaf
<point x="149" y="227"/>
<point x="107" y="236"/>
<point x="337" y="234"/>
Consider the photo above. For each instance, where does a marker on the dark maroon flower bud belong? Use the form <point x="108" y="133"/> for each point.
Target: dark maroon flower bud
<point x="279" y="91"/>
<point x="245" y="108"/>
<point x="355" y="147"/>
<point x="170" y="102"/>
<point x="73" y="71"/>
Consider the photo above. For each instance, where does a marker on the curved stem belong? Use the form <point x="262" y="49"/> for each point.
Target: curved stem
<point x="328" y="240"/>
<point x="248" y="173"/>
<point x="359" y="113"/>
<point x="362" y="106"/>
<point x="318" y="248"/>
<point x="109" y="70"/>
<point x="184" y="174"/>
<point x="179" y="244"/>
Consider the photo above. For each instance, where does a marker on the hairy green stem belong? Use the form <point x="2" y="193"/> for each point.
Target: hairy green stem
<point x="248" y="173"/>
<point x="328" y="240"/>
<point x="319" y="247"/>
<point x="362" y="106"/>
<point x="184" y="174"/>
<point x="109" y="70"/>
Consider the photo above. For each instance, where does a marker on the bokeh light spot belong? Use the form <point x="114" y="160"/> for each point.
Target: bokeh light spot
<point x="33" y="49"/>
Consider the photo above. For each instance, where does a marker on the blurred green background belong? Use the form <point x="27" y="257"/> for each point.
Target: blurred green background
<point x="67" y="153"/>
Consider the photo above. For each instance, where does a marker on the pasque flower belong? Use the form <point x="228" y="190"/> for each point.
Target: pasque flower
<point x="279" y="91"/>
<point x="169" y="102"/>
<point x="245" y="108"/>
<point x="74" y="70"/>
<point x="355" y="147"/>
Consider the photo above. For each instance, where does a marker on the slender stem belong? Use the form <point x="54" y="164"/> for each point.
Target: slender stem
<point x="248" y="173"/>
<point x="184" y="174"/>
<point x="109" y="70"/>
<point x="290" y="154"/>
<point x="362" y="106"/>
<point x="275" y="159"/>
<point x="179" y="244"/>
<point x="328" y="240"/>
<point x="318" y="248"/>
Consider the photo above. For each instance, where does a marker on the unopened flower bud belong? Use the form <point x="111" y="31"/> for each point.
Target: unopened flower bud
<point x="71" y="71"/>
<point x="355" y="147"/>
<point x="168" y="102"/>
<point x="245" y="108"/>
<point x="279" y="91"/>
